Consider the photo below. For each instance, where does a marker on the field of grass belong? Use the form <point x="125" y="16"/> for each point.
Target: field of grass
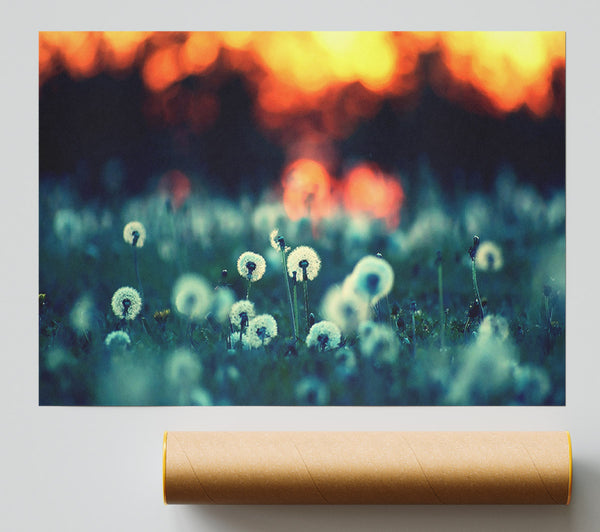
<point x="516" y="356"/>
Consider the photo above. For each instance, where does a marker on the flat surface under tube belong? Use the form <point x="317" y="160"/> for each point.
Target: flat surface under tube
<point x="367" y="467"/>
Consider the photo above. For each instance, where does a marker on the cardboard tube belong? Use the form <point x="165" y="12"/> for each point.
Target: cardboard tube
<point x="367" y="467"/>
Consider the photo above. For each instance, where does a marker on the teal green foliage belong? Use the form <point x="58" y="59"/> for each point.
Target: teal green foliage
<point x="528" y="292"/>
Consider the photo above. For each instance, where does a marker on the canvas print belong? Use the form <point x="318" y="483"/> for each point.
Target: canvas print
<point x="302" y="218"/>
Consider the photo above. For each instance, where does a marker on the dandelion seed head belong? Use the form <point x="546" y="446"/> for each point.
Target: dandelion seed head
<point x="488" y="257"/>
<point x="192" y="296"/>
<point x="303" y="259"/>
<point x="493" y="328"/>
<point x="485" y="375"/>
<point x="117" y="339"/>
<point x="346" y="359"/>
<point x="312" y="391"/>
<point x="260" y="331"/>
<point x="372" y="278"/>
<point x="532" y="385"/>
<point x="345" y="308"/>
<point x="58" y="359"/>
<point x="82" y="314"/>
<point x="134" y="233"/>
<point x="240" y="309"/>
<point x="251" y="266"/>
<point x="68" y="226"/>
<point x="324" y="335"/>
<point x="276" y="241"/>
<point x="222" y="302"/>
<point x="182" y="368"/>
<point x="379" y="343"/>
<point x="201" y="397"/>
<point x="126" y="303"/>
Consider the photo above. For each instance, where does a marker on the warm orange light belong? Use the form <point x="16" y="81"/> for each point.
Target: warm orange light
<point x="307" y="190"/>
<point x="162" y="68"/>
<point x="327" y="75"/>
<point x="366" y="189"/>
<point x="176" y="185"/>
<point x="511" y="68"/>
<point x="122" y="47"/>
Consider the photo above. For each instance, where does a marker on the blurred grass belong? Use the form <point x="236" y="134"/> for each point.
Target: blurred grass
<point x="207" y="236"/>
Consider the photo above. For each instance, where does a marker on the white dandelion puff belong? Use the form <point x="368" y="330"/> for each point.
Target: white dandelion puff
<point x="493" y="328"/>
<point x="485" y="376"/>
<point x="82" y="314"/>
<point x="68" y="227"/>
<point x="274" y="237"/>
<point x="126" y="303"/>
<point x="182" y="368"/>
<point x="223" y="299"/>
<point x="117" y="339"/>
<point x="345" y="360"/>
<point x="345" y="308"/>
<point x="260" y="331"/>
<point x="532" y="385"/>
<point x="324" y="335"/>
<point x="134" y="233"/>
<point x="192" y="296"/>
<point x="303" y="260"/>
<point x="312" y="391"/>
<point x="251" y="266"/>
<point x="372" y="278"/>
<point x="379" y="343"/>
<point x="241" y="311"/>
<point x="489" y="257"/>
<point x="201" y="397"/>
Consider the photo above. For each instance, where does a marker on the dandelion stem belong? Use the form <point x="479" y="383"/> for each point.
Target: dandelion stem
<point x="137" y="272"/>
<point x="287" y="285"/>
<point x="294" y="284"/>
<point x="413" y="309"/>
<point x="476" y="288"/>
<point x="248" y="288"/>
<point x="414" y="328"/>
<point x="442" y="314"/>
<point x="305" y="283"/>
<point x="306" y="304"/>
<point x="389" y="310"/>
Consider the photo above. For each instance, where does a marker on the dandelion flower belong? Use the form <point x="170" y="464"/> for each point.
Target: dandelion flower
<point x="117" y="339"/>
<point x="324" y="335"/>
<point x="241" y="310"/>
<point x="201" y="397"/>
<point x="274" y="237"/>
<point x="134" y="233"/>
<point x="493" y="328"/>
<point x="183" y="368"/>
<point x="489" y="257"/>
<point x="303" y="258"/>
<point x="192" y="296"/>
<point x="126" y="303"/>
<point x="372" y="278"/>
<point x="222" y="302"/>
<point x="68" y="226"/>
<point x="345" y="308"/>
<point x="82" y="314"/>
<point x="312" y="391"/>
<point x="532" y="385"/>
<point x="260" y="331"/>
<point x="251" y="266"/>
<point x="345" y="360"/>
<point x="485" y="376"/>
<point x="379" y="343"/>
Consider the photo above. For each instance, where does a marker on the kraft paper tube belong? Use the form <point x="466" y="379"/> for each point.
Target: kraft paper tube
<point x="367" y="467"/>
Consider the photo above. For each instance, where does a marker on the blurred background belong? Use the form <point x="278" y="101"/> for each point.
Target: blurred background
<point x="355" y="143"/>
<point x="232" y="110"/>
